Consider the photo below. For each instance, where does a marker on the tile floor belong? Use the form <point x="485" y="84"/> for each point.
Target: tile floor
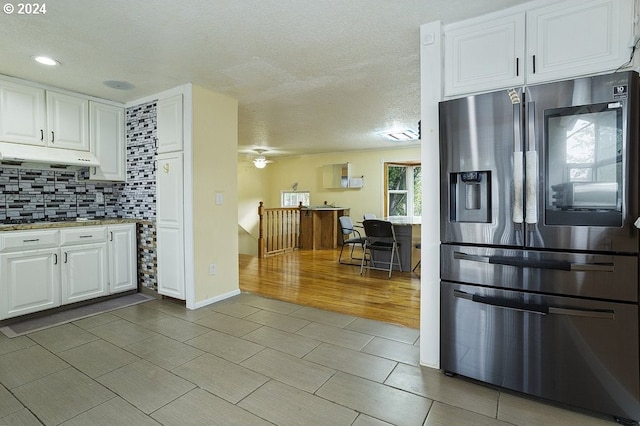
<point x="244" y="361"/>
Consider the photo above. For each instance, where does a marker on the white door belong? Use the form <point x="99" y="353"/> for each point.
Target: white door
<point x="107" y="142"/>
<point x="29" y="282"/>
<point x="487" y="54"/>
<point x="67" y="121"/>
<point x="22" y="114"/>
<point x="169" y="132"/>
<point x="122" y="258"/>
<point x="574" y="38"/>
<point x="84" y="272"/>
<point x="170" y="224"/>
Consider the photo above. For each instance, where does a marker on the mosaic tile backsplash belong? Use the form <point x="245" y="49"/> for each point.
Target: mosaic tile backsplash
<point x="48" y="195"/>
<point x="36" y="195"/>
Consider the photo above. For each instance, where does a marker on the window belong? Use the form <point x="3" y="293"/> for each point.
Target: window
<point x="403" y="196"/>
<point x="294" y="198"/>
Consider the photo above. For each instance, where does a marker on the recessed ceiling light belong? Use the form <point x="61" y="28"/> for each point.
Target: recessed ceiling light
<point x="399" y="135"/>
<point x="120" y="85"/>
<point x="45" y="60"/>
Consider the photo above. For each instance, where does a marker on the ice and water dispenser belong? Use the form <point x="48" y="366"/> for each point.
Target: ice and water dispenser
<point x="470" y="196"/>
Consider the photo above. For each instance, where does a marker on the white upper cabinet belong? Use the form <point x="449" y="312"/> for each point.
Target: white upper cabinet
<point x="170" y="120"/>
<point x="22" y="114"/>
<point x="34" y="116"/>
<point x="485" y="55"/>
<point x="67" y="121"/>
<point x="557" y="40"/>
<point x="576" y="38"/>
<point x="107" y="141"/>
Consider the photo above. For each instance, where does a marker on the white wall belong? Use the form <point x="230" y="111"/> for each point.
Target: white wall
<point x="215" y="141"/>
<point x="431" y="91"/>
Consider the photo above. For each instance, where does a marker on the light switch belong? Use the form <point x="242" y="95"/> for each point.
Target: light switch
<point x="219" y="198"/>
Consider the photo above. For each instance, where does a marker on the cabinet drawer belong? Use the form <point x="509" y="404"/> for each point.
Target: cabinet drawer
<point x="83" y="235"/>
<point x="28" y="240"/>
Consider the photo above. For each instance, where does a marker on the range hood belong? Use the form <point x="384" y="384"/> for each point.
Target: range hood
<point x="41" y="157"/>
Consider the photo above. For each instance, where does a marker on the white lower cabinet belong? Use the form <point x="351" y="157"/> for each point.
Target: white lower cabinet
<point x="84" y="272"/>
<point x="44" y="269"/>
<point x="122" y="258"/>
<point x="29" y="281"/>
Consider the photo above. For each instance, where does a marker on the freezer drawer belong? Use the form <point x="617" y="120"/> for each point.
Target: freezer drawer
<point x="574" y="351"/>
<point x="599" y="276"/>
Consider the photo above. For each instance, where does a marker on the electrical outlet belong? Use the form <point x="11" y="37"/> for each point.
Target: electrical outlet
<point x="212" y="269"/>
<point x="99" y="197"/>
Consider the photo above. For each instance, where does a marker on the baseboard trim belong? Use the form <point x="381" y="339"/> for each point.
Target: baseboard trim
<point x="207" y="302"/>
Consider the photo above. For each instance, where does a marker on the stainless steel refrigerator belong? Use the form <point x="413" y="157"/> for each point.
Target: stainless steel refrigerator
<point x="539" y="251"/>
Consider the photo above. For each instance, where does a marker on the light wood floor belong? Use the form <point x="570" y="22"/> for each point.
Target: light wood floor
<point x="315" y="278"/>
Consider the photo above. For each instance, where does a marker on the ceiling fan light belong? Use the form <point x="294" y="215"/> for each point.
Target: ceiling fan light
<point x="260" y="162"/>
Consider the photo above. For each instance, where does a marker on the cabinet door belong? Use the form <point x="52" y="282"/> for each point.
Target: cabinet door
<point x="22" y="114"/>
<point x="169" y="131"/>
<point x="107" y="142"/>
<point x="122" y="258"/>
<point x="170" y="225"/>
<point x="84" y="272"/>
<point x="67" y="121"/>
<point x="29" y="282"/>
<point x="574" y="38"/>
<point x="484" y="55"/>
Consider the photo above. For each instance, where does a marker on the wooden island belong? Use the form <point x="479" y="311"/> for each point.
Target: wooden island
<point x="320" y="227"/>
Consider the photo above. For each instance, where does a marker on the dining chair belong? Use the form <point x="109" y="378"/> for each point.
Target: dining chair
<point x="380" y="237"/>
<point x="418" y="246"/>
<point x="350" y="237"/>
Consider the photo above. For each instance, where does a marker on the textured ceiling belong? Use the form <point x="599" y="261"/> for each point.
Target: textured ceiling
<point x="310" y="75"/>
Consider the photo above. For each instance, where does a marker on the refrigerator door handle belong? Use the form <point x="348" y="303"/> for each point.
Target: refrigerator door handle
<point x="518" y="184"/>
<point x="561" y="265"/>
<point x="531" y="177"/>
<point x="503" y="303"/>
<point x="532" y="308"/>
<point x="518" y="169"/>
<point x="531" y="171"/>
<point x="587" y="313"/>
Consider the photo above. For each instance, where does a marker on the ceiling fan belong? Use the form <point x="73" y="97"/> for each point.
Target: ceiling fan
<point x="261" y="161"/>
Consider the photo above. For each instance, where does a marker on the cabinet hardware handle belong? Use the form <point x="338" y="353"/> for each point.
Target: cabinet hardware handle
<point x="55" y="256"/>
<point x="110" y="235"/>
<point x="65" y="257"/>
<point x="41" y="134"/>
<point x="534" y="64"/>
<point x="95" y="170"/>
<point x="53" y="137"/>
<point x="86" y="236"/>
<point x="517" y="67"/>
<point x="31" y="240"/>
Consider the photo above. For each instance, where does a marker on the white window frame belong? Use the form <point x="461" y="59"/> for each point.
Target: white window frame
<point x="300" y="196"/>
<point x="409" y="166"/>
